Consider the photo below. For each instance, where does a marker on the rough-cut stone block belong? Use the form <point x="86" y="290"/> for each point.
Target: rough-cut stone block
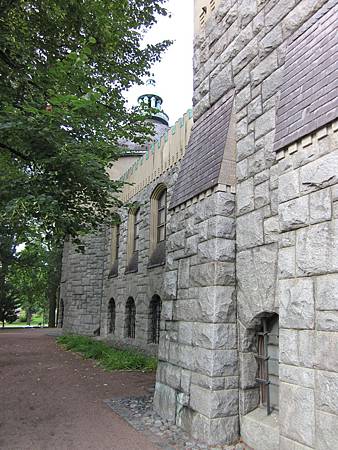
<point x="326" y="345"/>
<point x="170" y="285"/>
<point x="297" y="347"/>
<point x="248" y="370"/>
<point x="255" y="108"/>
<point x="216" y="304"/>
<point x="215" y="363"/>
<point x="320" y="206"/>
<point x="320" y="173"/>
<point x="246" y="146"/>
<point x="297" y="413"/>
<point x="222" y="430"/>
<point x="294" y="214"/>
<point x="220" y="227"/>
<point x="327" y="292"/>
<point x="214" y="404"/>
<point x="288" y="186"/>
<point x="248" y="400"/>
<point x="271" y="229"/>
<point x="296" y="301"/>
<point x="217" y="250"/>
<point x="262" y="194"/>
<point x="327" y="391"/>
<point x="327" y="320"/>
<point x="287" y="239"/>
<point x="220" y="84"/>
<point x="264" y="69"/>
<point x="326" y="427"/>
<point x="286" y="262"/>
<point x="260" y="431"/>
<point x="265" y="123"/>
<point x="245" y="196"/>
<point x="214" y="336"/>
<point x="297" y="375"/>
<point x="256" y="274"/>
<point x="250" y="230"/>
<point x="183" y="273"/>
<point x="212" y="273"/>
<point x="317" y="249"/>
<point x="165" y="401"/>
<point x="185" y="332"/>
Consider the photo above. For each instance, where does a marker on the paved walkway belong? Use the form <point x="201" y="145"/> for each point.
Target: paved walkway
<point x="53" y="399"/>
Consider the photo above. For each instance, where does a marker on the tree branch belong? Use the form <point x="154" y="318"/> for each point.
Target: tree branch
<point x="15" y="152"/>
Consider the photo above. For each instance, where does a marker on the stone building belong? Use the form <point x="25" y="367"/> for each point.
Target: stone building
<point x="228" y="253"/>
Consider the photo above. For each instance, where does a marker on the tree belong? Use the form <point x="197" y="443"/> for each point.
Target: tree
<point x="8" y="306"/>
<point x="64" y="67"/>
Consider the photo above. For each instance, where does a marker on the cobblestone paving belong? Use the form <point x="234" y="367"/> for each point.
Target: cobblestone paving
<point x="139" y="413"/>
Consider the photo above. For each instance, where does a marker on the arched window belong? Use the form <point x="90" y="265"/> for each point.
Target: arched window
<point x="62" y="312"/>
<point x="268" y="362"/>
<point x="130" y="318"/>
<point x="155" y="319"/>
<point x="158" y="223"/>
<point x="115" y="245"/>
<point x="111" y="316"/>
<point x="134" y="221"/>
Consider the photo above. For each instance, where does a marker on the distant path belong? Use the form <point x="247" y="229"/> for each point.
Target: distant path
<point x="51" y="399"/>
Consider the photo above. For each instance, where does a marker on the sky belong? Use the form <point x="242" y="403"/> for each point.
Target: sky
<point x="173" y="75"/>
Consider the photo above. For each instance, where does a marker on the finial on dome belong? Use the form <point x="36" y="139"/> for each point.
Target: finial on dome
<point x="151" y="100"/>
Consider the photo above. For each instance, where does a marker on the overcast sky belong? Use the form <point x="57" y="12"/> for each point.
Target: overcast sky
<point x="173" y="75"/>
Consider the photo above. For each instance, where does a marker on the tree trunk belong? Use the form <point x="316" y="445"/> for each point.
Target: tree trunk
<point x="28" y="316"/>
<point x="54" y="285"/>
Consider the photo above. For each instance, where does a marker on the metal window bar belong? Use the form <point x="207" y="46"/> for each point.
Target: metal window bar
<point x="117" y="241"/>
<point x="136" y="231"/>
<point x="263" y="366"/>
<point x="156" y="321"/>
<point x="131" y="315"/>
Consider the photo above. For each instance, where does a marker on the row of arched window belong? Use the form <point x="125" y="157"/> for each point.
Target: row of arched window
<point x="158" y="221"/>
<point x="154" y="316"/>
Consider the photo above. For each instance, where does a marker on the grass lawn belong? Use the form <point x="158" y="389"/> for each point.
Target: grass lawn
<point x="36" y="320"/>
<point x="108" y="357"/>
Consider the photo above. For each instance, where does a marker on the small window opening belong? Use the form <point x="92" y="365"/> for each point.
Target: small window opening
<point x="162" y="216"/>
<point x="268" y="363"/>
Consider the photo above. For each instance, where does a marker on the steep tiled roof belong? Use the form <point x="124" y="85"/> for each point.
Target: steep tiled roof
<point x="309" y="96"/>
<point x="202" y="161"/>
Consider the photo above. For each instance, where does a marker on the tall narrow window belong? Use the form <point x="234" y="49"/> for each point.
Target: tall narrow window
<point x="158" y="223"/>
<point x="111" y="316"/>
<point x="130" y="318"/>
<point x="267" y="358"/>
<point x="155" y="319"/>
<point x="115" y="245"/>
<point x="161" y="216"/>
<point x="134" y="222"/>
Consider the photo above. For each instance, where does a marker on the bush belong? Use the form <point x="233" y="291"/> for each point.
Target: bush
<point x="108" y="357"/>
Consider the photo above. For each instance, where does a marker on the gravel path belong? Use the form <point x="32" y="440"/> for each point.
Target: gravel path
<point x="52" y="399"/>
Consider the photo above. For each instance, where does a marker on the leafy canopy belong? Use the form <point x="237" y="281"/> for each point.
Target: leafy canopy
<point x="64" y="65"/>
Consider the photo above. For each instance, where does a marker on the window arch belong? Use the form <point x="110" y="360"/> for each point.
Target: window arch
<point x="130" y="318"/>
<point x="134" y="221"/>
<point x="158" y="223"/>
<point x="155" y="319"/>
<point x="268" y="362"/>
<point x="111" y="316"/>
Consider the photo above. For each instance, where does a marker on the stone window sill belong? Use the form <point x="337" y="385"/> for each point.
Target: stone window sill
<point x="260" y="430"/>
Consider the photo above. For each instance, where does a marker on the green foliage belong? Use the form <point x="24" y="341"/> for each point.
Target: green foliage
<point x="109" y="358"/>
<point x="64" y="66"/>
<point x="8" y="306"/>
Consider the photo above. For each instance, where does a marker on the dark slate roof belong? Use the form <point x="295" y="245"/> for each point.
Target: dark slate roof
<point x="309" y="95"/>
<point x="202" y="161"/>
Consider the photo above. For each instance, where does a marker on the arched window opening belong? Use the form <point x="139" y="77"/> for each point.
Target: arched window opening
<point x="155" y="319"/>
<point x="268" y="362"/>
<point x="111" y="316"/>
<point x="115" y="245"/>
<point x="130" y="318"/>
<point x="134" y="222"/>
<point x="158" y="224"/>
